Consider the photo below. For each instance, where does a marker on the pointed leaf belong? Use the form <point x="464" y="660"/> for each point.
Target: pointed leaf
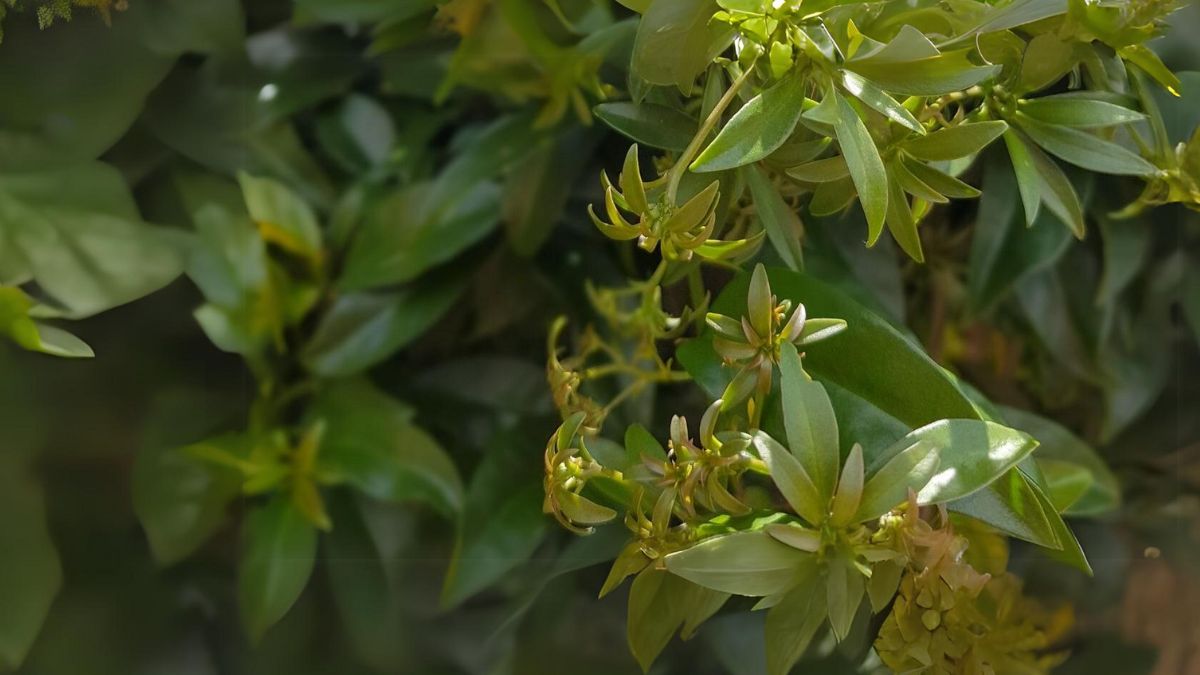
<point x="962" y="140"/>
<point x="780" y="220"/>
<point x="812" y="431"/>
<point x="879" y="101"/>
<point x="1082" y="113"/>
<point x="758" y="128"/>
<point x="649" y="123"/>
<point x="280" y="548"/>
<point x="888" y="486"/>
<point x="850" y="488"/>
<point x="791" y="479"/>
<point x="865" y="164"/>
<point x="743" y="563"/>
<point x="844" y="592"/>
<point x="1085" y="150"/>
<point x="794" y="621"/>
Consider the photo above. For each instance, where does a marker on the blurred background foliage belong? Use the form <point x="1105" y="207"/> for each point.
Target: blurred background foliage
<point x="371" y="110"/>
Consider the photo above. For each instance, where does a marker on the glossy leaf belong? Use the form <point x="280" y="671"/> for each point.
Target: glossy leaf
<point x="1103" y="493"/>
<point x="879" y="101"/>
<point x="1003" y="249"/>
<point x="742" y="563"/>
<point x="972" y="454"/>
<point x="649" y="124"/>
<point x="675" y="41"/>
<point x="1011" y="506"/>
<point x="903" y="365"/>
<point x="888" y="485"/>
<point x="901" y="221"/>
<point x="929" y="76"/>
<point x="757" y="129"/>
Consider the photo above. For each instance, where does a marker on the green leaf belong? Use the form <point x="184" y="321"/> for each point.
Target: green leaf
<point x="1011" y="506"/>
<point x="175" y="27"/>
<point x="879" y="101"/>
<point x="282" y="217"/>
<point x="396" y="245"/>
<point x="368" y="603"/>
<point x="1046" y="60"/>
<point x="279" y="549"/>
<point x="758" y="128"/>
<point x="501" y="524"/>
<point x="30" y="571"/>
<point x="1085" y="150"/>
<point x="362" y="329"/>
<point x="885" y="579"/>
<point x="1066" y="483"/>
<point x="928" y="76"/>
<point x="649" y="123"/>
<point x="812" y="430"/>
<point x="962" y="140"/>
<point x="359" y="133"/>
<point x="73" y="227"/>
<point x="370" y="443"/>
<point x="898" y="364"/>
<point x="1014" y="14"/>
<point x="1003" y="250"/>
<point x="676" y="40"/>
<point x="182" y="501"/>
<point x="791" y="479"/>
<point x="15" y="307"/>
<point x="1143" y="57"/>
<point x="640" y="443"/>
<point x="742" y="563"/>
<point x="59" y="83"/>
<point x="1040" y="179"/>
<point x="1068" y="551"/>
<point x="865" y="164"/>
<point x="849" y="489"/>
<point x="901" y="222"/>
<point x="779" y="219"/>
<point x="844" y="592"/>
<point x="908" y="182"/>
<point x="972" y="454"/>
<point x="821" y="170"/>
<point x="940" y="181"/>
<point x="534" y="194"/>
<point x="792" y="624"/>
<point x="1059" y="444"/>
<point x="888" y="485"/>
<point x="660" y="604"/>
<point x="1082" y="113"/>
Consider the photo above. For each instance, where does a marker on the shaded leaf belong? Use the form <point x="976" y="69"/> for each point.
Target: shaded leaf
<point x="279" y="549"/>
